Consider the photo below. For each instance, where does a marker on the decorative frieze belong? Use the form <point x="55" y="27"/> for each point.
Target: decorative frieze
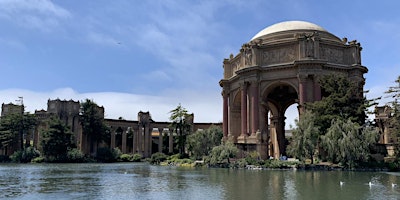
<point x="332" y="55"/>
<point x="279" y="55"/>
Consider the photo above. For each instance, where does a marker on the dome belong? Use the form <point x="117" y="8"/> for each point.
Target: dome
<point x="288" y="26"/>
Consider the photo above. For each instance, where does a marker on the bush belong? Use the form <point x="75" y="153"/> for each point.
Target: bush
<point x="75" y="155"/>
<point x="125" y="157"/>
<point x="39" y="159"/>
<point x="25" y="155"/>
<point x="394" y="166"/>
<point x="220" y="155"/>
<point x="137" y="158"/>
<point x="157" y="158"/>
<point x="105" y="154"/>
<point x="252" y="158"/>
<point x="4" y="158"/>
<point x="130" y="158"/>
<point x="280" y="164"/>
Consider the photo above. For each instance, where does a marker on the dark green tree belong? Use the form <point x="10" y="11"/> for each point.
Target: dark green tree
<point x="394" y="121"/>
<point x="305" y="137"/>
<point x="13" y="127"/>
<point x="201" y="142"/>
<point x="341" y="99"/>
<point x="348" y="143"/>
<point x="56" y="141"/>
<point x="92" y="121"/>
<point x="181" y="124"/>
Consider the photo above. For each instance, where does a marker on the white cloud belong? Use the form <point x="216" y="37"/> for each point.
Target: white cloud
<point x="38" y="14"/>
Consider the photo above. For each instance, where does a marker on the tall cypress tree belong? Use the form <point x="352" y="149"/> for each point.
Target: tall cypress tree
<point x="340" y="100"/>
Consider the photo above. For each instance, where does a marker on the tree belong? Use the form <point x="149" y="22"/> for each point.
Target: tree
<point x="340" y="100"/>
<point x="394" y="121"/>
<point x="394" y="91"/>
<point x="56" y="141"/>
<point x="201" y="142"/>
<point x="12" y="128"/>
<point x="92" y="121"/>
<point x="348" y="143"/>
<point x="221" y="154"/>
<point x="305" y="137"/>
<point x="181" y="124"/>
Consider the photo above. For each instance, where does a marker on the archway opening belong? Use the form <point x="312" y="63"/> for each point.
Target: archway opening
<point x="291" y="114"/>
<point x="281" y="99"/>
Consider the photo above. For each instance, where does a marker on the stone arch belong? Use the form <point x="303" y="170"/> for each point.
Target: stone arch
<point x="284" y="66"/>
<point x="278" y="95"/>
<point x="235" y="125"/>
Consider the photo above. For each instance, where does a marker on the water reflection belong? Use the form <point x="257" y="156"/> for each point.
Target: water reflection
<point x="143" y="181"/>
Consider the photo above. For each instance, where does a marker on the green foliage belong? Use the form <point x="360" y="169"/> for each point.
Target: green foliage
<point x="56" y="141"/>
<point x="347" y="143"/>
<point x="394" y="91"/>
<point x="341" y="100"/>
<point x="25" y="155"/>
<point x="221" y="154"/>
<point x="181" y="124"/>
<point x="39" y="159"/>
<point x="92" y="121"/>
<point x="157" y="158"/>
<point x="75" y="155"/>
<point x="394" y="121"/>
<point x="130" y="158"/>
<point x="201" y="142"/>
<point x="106" y="155"/>
<point x="280" y="164"/>
<point x="305" y="137"/>
<point x="4" y="158"/>
<point x="250" y="158"/>
<point x="395" y="165"/>
<point x="13" y="126"/>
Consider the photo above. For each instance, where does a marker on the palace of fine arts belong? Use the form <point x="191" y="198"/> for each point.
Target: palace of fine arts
<point x="199" y="100"/>
<point x="287" y="63"/>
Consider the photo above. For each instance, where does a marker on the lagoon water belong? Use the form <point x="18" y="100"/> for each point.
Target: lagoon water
<point x="144" y="181"/>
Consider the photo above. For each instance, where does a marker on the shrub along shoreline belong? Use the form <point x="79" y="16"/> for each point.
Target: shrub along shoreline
<point x="250" y="161"/>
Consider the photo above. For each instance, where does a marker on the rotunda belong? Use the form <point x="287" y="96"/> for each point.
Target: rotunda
<point x="280" y="66"/>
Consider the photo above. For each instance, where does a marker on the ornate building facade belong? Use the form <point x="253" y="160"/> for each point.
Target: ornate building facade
<point x="388" y="140"/>
<point x="142" y="136"/>
<point x="278" y="67"/>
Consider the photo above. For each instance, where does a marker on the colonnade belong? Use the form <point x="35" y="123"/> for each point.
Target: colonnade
<point x="142" y="139"/>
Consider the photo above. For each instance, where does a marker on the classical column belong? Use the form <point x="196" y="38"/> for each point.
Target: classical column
<point x="317" y="90"/>
<point x="123" y="142"/>
<point x="146" y="141"/>
<point x="274" y="150"/>
<point x="160" y="139"/>
<point x="140" y="140"/>
<point x="244" y="109"/>
<point x="171" y="141"/>
<point x="225" y="123"/>
<point x="112" y="139"/>
<point x="280" y="133"/>
<point x="302" y="90"/>
<point x="134" y="141"/>
<point x="254" y="108"/>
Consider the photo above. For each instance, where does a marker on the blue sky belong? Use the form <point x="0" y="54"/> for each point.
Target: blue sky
<point x="131" y="55"/>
